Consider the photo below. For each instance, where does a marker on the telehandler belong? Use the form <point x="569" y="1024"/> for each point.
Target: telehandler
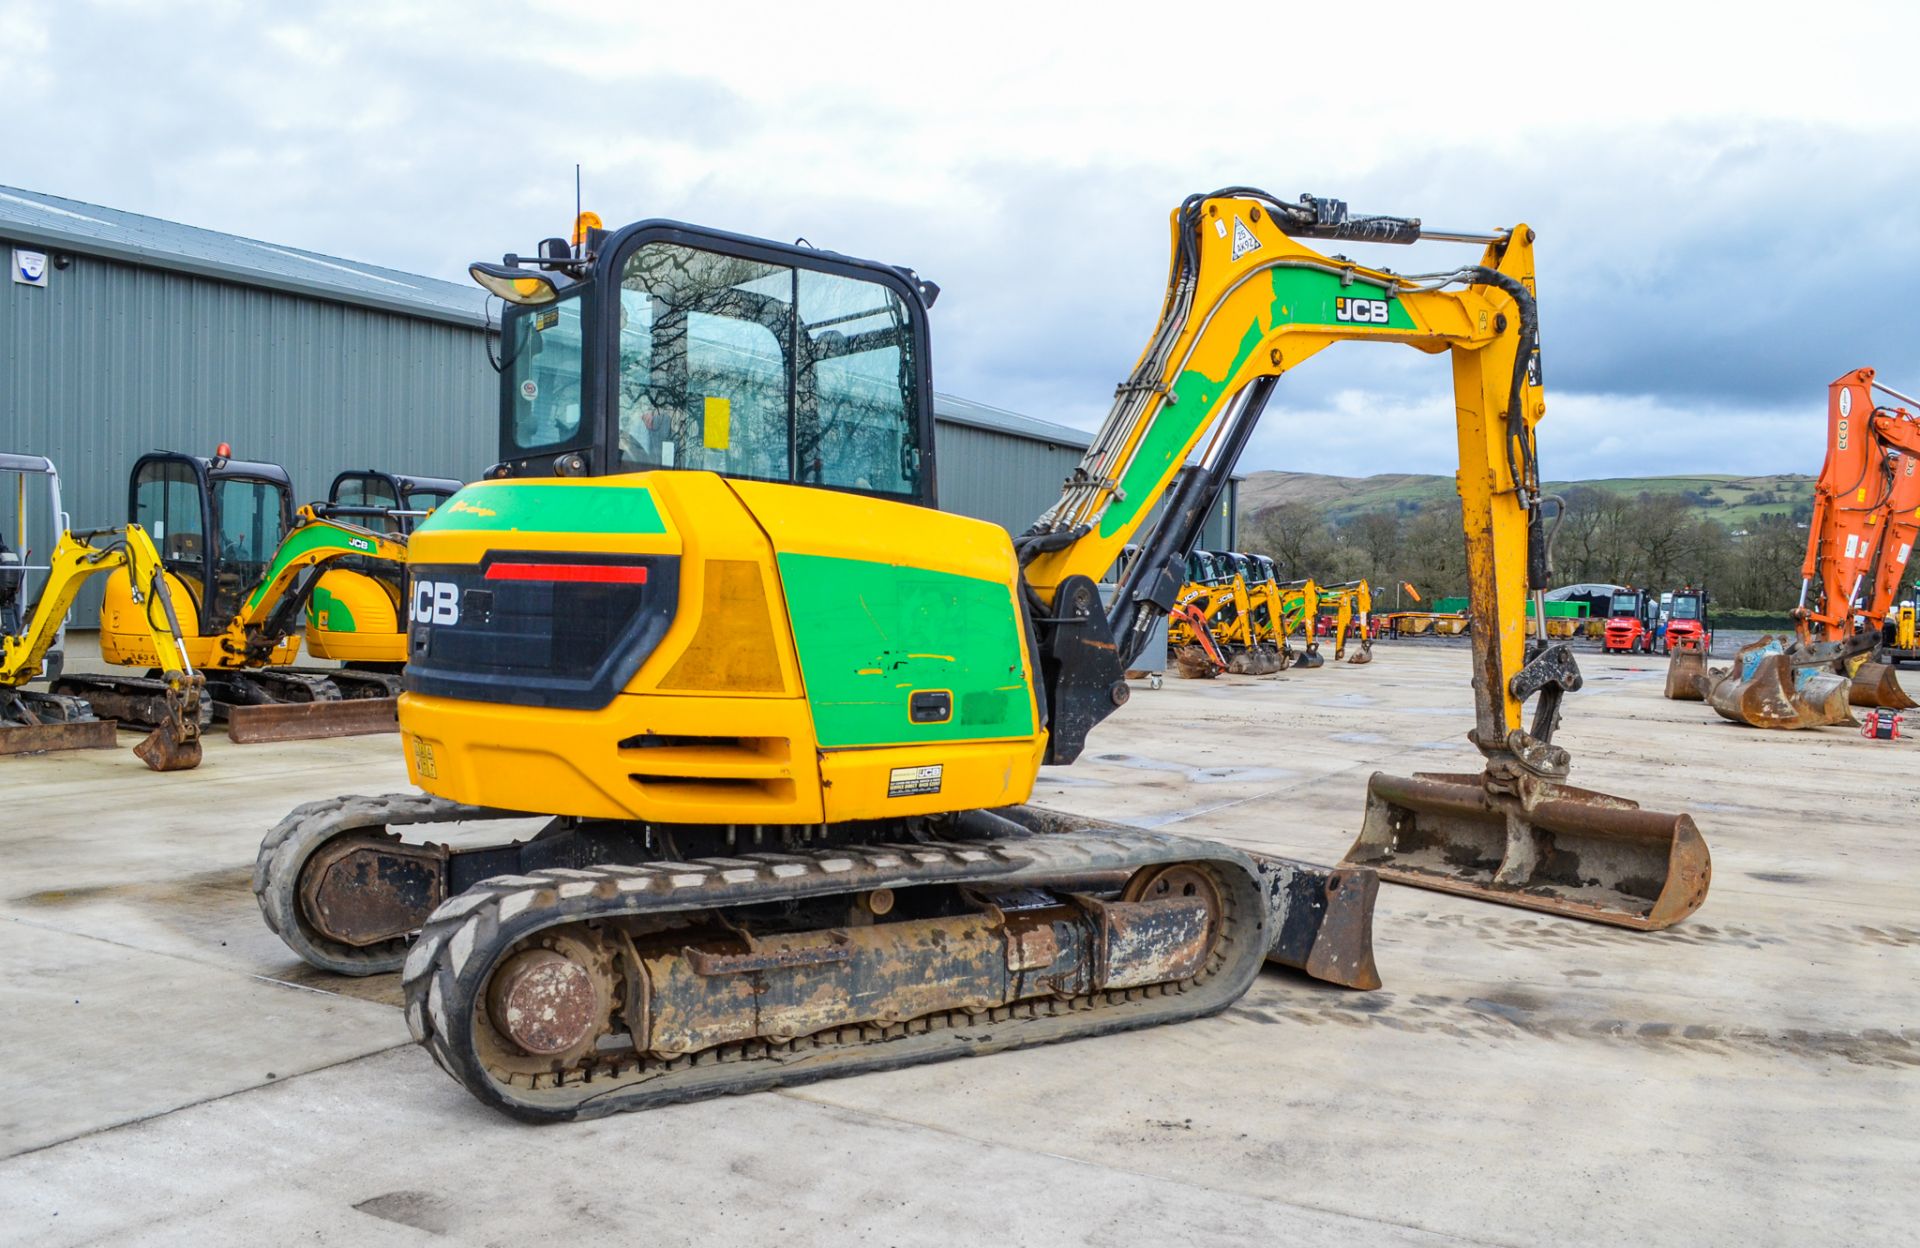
<point x="32" y="722"/>
<point x="784" y="715"/>
<point x="242" y="563"/>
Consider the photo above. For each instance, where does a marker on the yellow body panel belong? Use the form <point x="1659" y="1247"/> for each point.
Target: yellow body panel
<point x="762" y="761"/>
<point x="356" y="618"/>
<point x="127" y="628"/>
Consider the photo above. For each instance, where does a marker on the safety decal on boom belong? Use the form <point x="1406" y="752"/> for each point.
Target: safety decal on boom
<point x="1243" y="239"/>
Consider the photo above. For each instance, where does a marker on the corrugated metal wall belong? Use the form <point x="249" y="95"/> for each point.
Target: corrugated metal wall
<point x="112" y="360"/>
<point x="1011" y="480"/>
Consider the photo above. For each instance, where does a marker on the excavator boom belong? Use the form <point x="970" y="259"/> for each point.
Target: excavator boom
<point x="1247" y="301"/>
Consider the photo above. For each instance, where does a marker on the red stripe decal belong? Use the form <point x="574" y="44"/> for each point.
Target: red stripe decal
<point x="599" y="573"/>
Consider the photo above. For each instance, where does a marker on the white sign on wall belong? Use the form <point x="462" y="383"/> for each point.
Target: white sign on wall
<point x="30" y="267"/>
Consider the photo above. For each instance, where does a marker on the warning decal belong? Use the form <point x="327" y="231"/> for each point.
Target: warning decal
<point x="1243" y="239"/>
<point x="914" y="781"/>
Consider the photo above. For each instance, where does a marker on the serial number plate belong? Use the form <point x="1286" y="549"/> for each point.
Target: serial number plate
<point x="914" y="781"/>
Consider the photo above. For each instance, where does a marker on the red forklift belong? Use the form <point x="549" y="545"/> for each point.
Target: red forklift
<point x="1687" y="626"/>
<point x="1631" y="618"/>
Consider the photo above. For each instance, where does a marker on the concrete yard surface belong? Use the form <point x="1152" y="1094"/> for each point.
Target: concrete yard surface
<point x="173" y="1075"/>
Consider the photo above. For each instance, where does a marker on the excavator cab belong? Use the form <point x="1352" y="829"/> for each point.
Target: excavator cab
<point x="721" y="353"/>
<point x="217" y="522"/>
<point x="387" y="502"/>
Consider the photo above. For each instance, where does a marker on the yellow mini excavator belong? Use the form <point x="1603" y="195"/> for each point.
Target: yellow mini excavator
<point x="784" y="715"/>
<point x="357" y="610"/>
<point x="1353" y="610"/>
<point x="32" y="722"/>
<point x="242" y="563"/>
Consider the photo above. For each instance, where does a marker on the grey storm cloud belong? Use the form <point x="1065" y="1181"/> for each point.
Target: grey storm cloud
<point x="1700" y="283"/>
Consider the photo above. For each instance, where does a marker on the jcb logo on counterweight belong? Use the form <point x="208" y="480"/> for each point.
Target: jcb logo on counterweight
<point x="1360" y="311"/>
<point x="434" y="602"/>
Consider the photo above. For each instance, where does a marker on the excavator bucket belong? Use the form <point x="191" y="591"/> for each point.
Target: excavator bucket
<point x="1765" y="689"/>
<point x="1364" y="654"/>
<point x="1255" y="661"/>
<point x="1877" y="684"/>
<point x="1687" y="674"/>
<point x="1310" y="657"/>
<point x="1563" y="850"/>
<point x="174" y="743"/>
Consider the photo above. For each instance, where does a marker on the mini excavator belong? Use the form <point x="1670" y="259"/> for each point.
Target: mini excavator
<point x="32" y="722"/>
<point x="783" y="716"/>
<point x="242" y="563"/>
<point x="357" y="611"/>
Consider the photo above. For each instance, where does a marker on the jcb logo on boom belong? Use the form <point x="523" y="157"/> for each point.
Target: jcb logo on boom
<point x="434" y="602"/>
<point x="1360" y="311"/>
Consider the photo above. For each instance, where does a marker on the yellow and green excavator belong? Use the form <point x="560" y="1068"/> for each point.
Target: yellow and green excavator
<point x="242" y="564"/>
<point x="31" y="626"/>
<point x="784" y="715"/>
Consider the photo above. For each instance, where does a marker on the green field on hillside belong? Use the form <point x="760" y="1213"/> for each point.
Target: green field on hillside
<point x="1733" y="501"/>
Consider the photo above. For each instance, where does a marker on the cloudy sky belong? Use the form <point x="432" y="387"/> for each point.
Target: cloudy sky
<point x="1725" y="194"/>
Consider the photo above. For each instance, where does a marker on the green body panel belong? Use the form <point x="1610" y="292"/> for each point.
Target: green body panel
<point x="339" y="619"/>
<point x="539" y="507"/>
<point x="1300" y="297"/>
<point x="304" y="541"/>
<point x="870" y="634"/>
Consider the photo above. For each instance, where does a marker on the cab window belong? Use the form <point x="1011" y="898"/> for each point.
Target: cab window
<point x="166" y="503"/>
<point x="759" y="370"/>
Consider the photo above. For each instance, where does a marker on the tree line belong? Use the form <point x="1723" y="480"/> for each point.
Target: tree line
<point x="1657" y="541"/>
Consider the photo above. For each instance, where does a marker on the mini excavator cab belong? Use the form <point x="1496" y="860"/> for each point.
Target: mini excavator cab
<point x="387" y="502"/>
<point x="217" y="522"/>
<point x="720" y="353"/>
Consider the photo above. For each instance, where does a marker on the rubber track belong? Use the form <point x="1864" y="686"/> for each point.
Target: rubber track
<point x="468" y="934"/>
<point x="285" y="850"/>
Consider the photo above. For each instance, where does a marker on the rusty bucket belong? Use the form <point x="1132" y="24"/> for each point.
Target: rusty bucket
<point x="1766" y="688"/>
<point x="1877" y="684"/>
<point x="1566" y="851"/>
<point x="1687" y="674"/>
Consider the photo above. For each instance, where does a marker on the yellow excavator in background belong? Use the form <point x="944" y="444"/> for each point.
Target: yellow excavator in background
<point x="357" y="611"/>
<point x="1221" y="620"/>
<point x="241" y="563"/>
<point x="32" y="722"/>
<point x="1353" y="610"/>
<point x="785" y="715"/>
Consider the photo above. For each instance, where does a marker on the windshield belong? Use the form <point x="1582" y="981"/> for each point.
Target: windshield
<point x="754" y="369"/>
<point x="543" y="375"/>
<point x="1625" y="604"/>
<point x="1687" y="608"/>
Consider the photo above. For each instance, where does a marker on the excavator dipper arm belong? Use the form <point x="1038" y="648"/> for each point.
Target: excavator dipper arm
<point x="174" y="743"/>
<point x="274" y="607"/>
<point x="1247" y="301"/>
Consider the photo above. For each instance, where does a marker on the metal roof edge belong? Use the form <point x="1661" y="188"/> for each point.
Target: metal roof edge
<point x="159" y="258"/>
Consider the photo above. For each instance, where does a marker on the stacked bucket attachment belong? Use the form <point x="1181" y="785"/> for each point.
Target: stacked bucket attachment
<point x="1769" y="686"/>
<point x="1875" y="684"/>
<point x="1687" y="672"/>
<point x="1525" y="841"/>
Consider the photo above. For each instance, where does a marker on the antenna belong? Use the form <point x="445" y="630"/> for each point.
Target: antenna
<point x="576" y="201"/>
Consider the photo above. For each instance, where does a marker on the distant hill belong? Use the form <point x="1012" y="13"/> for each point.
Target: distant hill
<point x="1734" y="501"/>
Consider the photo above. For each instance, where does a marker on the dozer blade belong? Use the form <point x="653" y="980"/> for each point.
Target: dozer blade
<point x="90" y="734"/>
<point x="1322" y="919"/>
<point x="1878" y="684"/>
<point x="1687" y="674"/>
<point x="306" y="721"/>
<point x="1765" y="689"/>
<point x="1566" y="851"/>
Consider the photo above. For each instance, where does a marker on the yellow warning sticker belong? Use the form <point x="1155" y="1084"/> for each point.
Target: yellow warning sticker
<point x="719" y="419"/>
